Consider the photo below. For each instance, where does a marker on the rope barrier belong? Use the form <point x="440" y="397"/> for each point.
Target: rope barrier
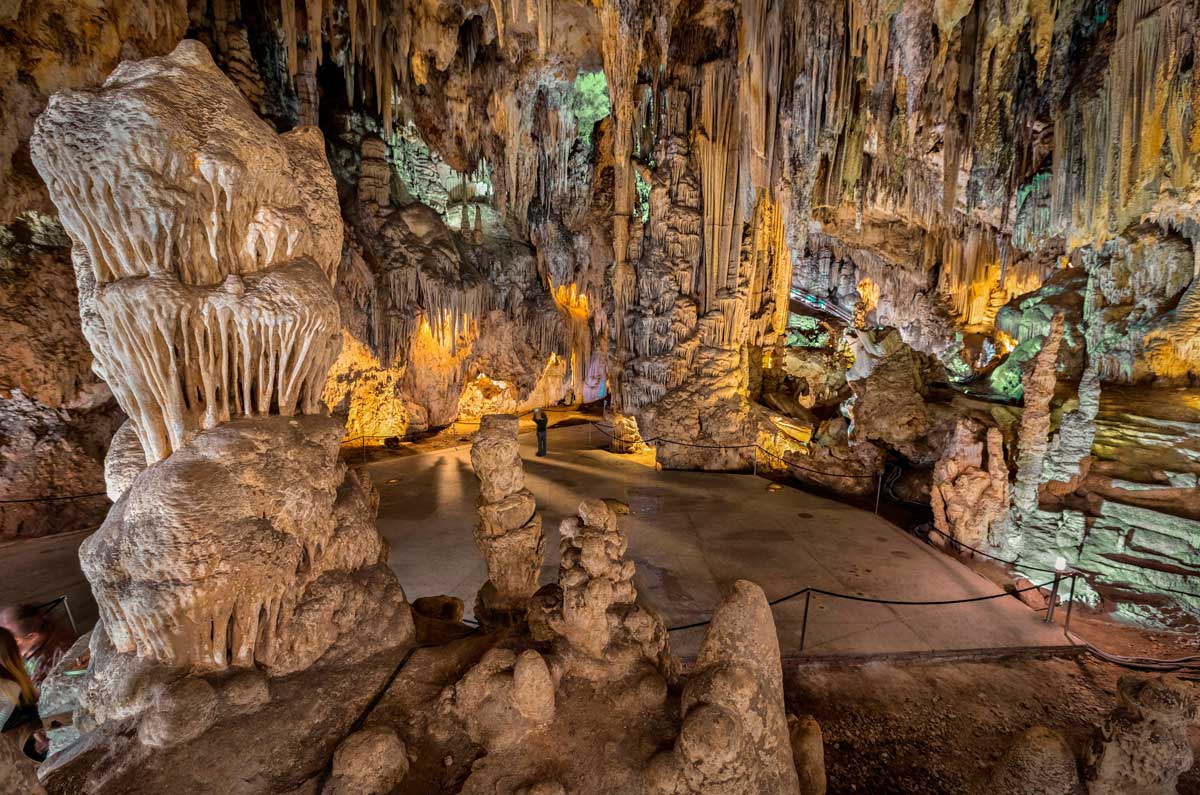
<point x="54" y="499"/>
<point x="871" y="600"/>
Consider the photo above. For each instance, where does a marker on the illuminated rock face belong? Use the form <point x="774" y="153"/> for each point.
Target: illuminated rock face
<point x="967" y="496"/>
<point x="205" y="271"/>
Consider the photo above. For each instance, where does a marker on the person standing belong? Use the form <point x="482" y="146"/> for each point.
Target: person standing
<point x="541" y="421"/>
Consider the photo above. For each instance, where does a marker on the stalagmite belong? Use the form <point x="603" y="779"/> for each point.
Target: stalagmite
<point x="734" y="739"/>
<point x="509" y="530"/>
<point x="1033" y="434"/>
<point x="591" y="616"/>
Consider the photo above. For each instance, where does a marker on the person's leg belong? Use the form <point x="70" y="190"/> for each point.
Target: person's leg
<point x="541" y="437"/>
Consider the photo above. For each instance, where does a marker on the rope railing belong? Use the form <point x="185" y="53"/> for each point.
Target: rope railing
<point x="54" y="498"/>
<point x="808" y="593"/>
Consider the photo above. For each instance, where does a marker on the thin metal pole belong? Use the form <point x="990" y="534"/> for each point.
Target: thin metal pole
<point x="804" y="624"/>
<point x="70" y="615"/>
<point x="364" y="448"/>
<point x="1070" y="604"/>
<point x="878" y="490"/>
<point x="1053" y="598"/>
<point x="756" y="460"/>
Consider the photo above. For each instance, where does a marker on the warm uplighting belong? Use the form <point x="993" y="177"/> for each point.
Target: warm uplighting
<point x="570" y="300"/>
<point x="1004" y="342"/>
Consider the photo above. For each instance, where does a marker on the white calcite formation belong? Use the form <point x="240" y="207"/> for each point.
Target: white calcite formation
<point x="509" y="529"/>
<point x="205" y="249"/>
<point x="204" y="245"/>
<point x="250" y="546"/>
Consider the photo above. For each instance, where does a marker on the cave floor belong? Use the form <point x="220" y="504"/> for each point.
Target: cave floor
<point x="692" y="533"/>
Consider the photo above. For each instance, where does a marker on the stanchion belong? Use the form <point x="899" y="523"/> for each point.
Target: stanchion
<point x="364" y="448"/>
<point x="70" y="615"/>
<point x="1060" y="565"/>
<point x="1070" y="604"/>
<point x="878" y="490"/>
<point x="804" y="623"/>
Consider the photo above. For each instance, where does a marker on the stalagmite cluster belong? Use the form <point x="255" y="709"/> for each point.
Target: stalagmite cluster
<point x="591" y="616"/>
<point x="509" y="529"/>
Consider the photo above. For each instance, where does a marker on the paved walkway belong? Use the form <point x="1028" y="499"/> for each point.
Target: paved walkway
<point x="37" y="570"/>
<point x="692" y="533"/>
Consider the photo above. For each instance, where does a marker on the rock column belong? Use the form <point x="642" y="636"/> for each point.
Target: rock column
<point x="509" y="530"/>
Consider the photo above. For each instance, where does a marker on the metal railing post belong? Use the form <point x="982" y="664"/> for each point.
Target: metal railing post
<point x="878" y="491"/>
<point x="1070" y="604"/>
<point x="364" y="448"/>
<point x="756" y="460"/>
<point x="70" y="615"/>
<point x="804" y="624"/>
<point x="1053" y="598"/>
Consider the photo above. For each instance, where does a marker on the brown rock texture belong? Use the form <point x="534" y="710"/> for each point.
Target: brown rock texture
<point x="509" y="529"/>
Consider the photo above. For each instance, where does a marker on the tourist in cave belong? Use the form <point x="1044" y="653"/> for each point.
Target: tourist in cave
<point x="541" y="421"/>
<point x="18" y="697"/>
<point x="41" y="638"/>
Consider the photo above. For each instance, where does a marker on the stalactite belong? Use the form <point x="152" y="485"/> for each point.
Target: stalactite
<point x="716" y="145"/>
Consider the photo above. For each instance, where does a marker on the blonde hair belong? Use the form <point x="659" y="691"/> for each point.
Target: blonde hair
<point x="12" y="667"/>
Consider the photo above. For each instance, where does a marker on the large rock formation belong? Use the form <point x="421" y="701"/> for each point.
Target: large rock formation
<point x="205" y="277"/>
<point x="1142" y="747"/>
<point x="243" y="559"/>
<point x="734" y="738"/>
<point x="509" y="530"/>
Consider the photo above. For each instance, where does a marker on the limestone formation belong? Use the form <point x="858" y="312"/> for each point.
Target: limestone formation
<point x="735" y="736"/>
<point x="1039" y="762"/>
<point x="509" y="529"/>
<point x="205" y="275"/>
<point x="1034" y="433"/>
<point x="262" y="574"/>
<point x="369" y="762"/>
<point x="591" y="615"/>
<point x="503" y="698"/>
<point x="808" y="751"/>
<point x="124" y="462"/>
<point x="967" y="496"/>
<point x="1142" y="747"/>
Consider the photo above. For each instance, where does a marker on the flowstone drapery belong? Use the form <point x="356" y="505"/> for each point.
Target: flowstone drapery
<point x="204" y="246"/>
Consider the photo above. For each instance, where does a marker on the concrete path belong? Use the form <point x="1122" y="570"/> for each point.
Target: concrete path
<point x="37" y="570"/>
<point x="693" y="533"/>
